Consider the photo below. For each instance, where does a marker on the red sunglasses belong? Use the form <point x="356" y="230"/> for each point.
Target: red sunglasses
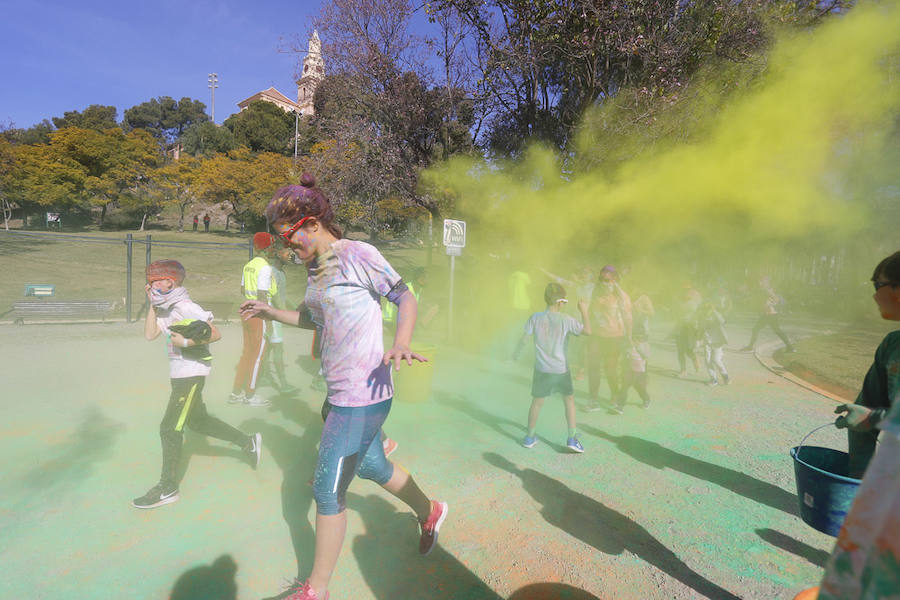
<point x="286" y="236"/>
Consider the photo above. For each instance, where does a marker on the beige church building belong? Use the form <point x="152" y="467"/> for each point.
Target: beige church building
<point x="312" y="74"/>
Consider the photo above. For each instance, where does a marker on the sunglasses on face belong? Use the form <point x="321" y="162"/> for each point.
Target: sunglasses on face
<point x="287" y="235"/>
<point x="880" y="284"/>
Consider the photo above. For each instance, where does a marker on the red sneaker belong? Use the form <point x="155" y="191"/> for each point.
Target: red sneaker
<point x="302" y="591"/>
<point x="431" y="526"/>
<point x="389" y="446"/>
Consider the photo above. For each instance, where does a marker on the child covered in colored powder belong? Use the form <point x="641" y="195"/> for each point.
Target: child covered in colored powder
<point x="551" y="330"/>
<point x="638" y="354"/>
<point x="714" y="339"/>
<point x="172" y="310"/>
<point x="865" y="562"/>
<point x="346" y="281"/>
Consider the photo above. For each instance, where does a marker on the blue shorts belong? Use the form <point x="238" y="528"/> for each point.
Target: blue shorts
<point x="350" y="446"/>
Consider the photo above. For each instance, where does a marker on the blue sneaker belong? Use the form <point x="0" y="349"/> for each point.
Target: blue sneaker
<point x="574" y="445"/>
<point x="529" y="441"/>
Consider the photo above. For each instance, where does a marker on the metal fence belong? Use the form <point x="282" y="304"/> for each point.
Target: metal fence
<point x="129" y="241"/>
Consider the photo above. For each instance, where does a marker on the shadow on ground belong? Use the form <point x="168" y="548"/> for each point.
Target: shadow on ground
<point x="213" y="582"/>
<point x="296" y="456"/>
<point x="603" y="528"/>
<point x="389" y="561"/>
<point x="72" y="461"/>
<point x="551" y="591"/>
<point x="660" y="457"/>
<point x="505" y="427"/>
<point x="796" y="547"/>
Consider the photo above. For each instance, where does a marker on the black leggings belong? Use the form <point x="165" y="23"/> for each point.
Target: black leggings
<point x="771" y="321"/>
<point x="686" y="345"/>
<point x="186" y="408"/>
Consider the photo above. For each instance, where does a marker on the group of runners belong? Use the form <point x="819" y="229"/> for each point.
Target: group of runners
<point x="347" y="282"/>
<point x="865" y="562"/>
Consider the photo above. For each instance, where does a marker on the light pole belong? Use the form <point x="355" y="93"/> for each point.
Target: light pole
<point x="213" y="79"/>
<point x="296" y="133"/>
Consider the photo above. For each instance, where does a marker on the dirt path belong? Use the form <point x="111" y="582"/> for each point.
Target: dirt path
<point x="693" y="497"/>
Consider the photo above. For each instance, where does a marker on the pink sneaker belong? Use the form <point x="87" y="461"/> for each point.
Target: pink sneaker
<point x="302" y="591"/>
<point x="389" y="446"/>
<point x="431" y="526"/>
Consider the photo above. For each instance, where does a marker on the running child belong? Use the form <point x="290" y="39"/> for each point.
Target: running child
<point x="551" y="330"/>
<point x="171" y="310"/>
<point x="713" y="338"/>
<point x="346" y="281"/>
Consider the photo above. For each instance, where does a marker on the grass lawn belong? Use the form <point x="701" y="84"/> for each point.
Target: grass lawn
<point x="837" y="361"/>
<point x="95" y="269"/>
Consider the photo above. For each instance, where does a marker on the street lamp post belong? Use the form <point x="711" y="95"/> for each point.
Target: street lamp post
<point x="213" y="79"/>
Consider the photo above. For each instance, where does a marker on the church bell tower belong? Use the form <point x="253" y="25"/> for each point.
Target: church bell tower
<point x="313" y="73"/>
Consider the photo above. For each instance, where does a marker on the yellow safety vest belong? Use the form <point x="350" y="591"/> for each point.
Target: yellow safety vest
<point x="251" y="278"/>
<point x="389" y="309"/>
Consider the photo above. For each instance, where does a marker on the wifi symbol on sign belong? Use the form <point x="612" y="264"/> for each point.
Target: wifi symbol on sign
<point x="454" y="233"/>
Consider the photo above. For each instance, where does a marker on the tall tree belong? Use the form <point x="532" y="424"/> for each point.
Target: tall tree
<point x="82" y="168"/>
<point x="95" y="116"/>
<point x="263" y="127"/>
<point x="36" y="134"/>
<point x="542" y="64"/>
<point x="207" y="138"/>
<point x="165" y="117"/>
<point x="380" y="84"/>
<point x="243" y="180"/>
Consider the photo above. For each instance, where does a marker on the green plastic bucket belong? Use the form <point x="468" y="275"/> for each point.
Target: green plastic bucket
<point x="413" y="383"/>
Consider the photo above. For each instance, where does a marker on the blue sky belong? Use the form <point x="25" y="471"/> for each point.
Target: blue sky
<point x="59" y="56"/>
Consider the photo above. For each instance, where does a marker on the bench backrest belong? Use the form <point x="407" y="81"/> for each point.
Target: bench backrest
<point x="63" y="308"/>
<point x="39" y="289"/>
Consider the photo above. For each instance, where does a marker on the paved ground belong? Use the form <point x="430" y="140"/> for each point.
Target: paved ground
<point x="691" y="498"/>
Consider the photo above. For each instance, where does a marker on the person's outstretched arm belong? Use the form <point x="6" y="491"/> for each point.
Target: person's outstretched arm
<point x="298" y="318"/>
<point x="407" y="310"/>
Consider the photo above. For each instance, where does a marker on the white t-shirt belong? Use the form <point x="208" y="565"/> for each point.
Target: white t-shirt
<point x="179" y="366"/>
<point x="551" y="331"/>
<point x="343" y="296"/>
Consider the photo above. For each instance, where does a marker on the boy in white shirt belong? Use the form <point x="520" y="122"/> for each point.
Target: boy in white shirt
<point x="171" y="309"/>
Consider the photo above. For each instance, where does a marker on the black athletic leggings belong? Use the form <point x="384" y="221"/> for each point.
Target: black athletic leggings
<point x="771" y="321"/>
<point x="186" y="408"/>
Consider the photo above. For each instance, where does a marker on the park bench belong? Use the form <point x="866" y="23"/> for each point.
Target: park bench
<point x="58" y="309"/>
<point x="39" y="290"/>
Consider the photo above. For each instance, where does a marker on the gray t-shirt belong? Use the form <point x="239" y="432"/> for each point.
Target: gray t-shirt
<point x="551" y="331"/>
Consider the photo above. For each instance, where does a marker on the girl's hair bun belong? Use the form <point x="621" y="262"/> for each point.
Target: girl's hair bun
<point x="308" y="180"/>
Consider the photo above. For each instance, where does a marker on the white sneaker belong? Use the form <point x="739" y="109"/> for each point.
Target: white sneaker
<point x="255" y="400"/>
<point x="238" y="398"/>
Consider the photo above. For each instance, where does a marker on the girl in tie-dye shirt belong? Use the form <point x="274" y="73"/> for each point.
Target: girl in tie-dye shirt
<point x="347" y="280"/>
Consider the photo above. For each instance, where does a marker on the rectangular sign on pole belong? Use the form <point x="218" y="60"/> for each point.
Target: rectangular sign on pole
<point x="454" y="241"/>
<point x="454" y="233"/>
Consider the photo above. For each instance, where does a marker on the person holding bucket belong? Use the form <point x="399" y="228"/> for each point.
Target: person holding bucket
<point x="865" y="562"/>
<point x="346" y="280"/>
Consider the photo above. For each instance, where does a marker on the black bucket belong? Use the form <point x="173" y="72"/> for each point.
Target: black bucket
<point x="824" y="490"/>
